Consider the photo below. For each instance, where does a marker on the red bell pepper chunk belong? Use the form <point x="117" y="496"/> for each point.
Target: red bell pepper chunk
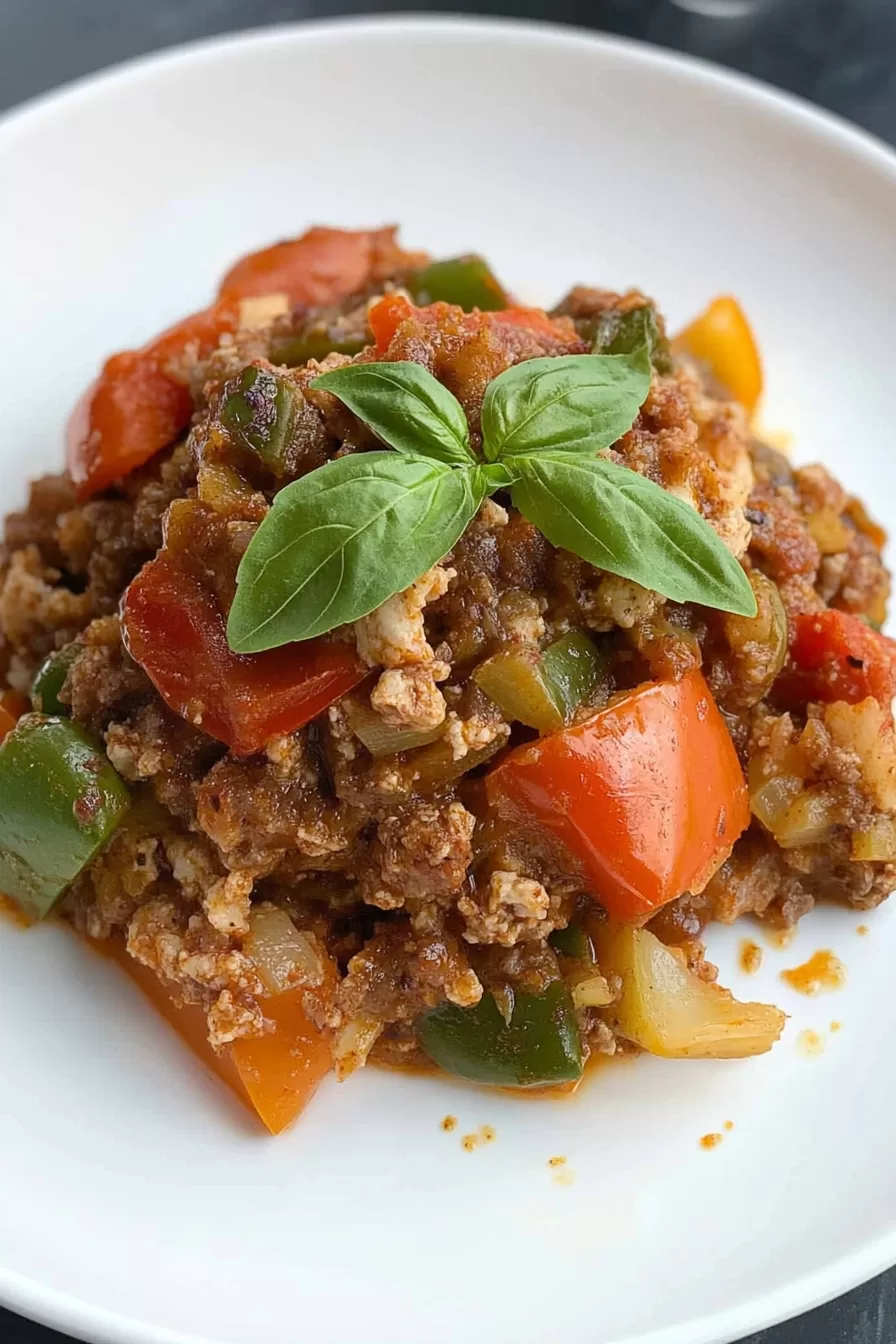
<point x="834" y="655"/>
<point x="648" y="794"/>
<point x="320" y="267"/>
<point x="174" y="628"/>
<point x="139" y="404"/>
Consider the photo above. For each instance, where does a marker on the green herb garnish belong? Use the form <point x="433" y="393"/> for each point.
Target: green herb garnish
<point x="340" y="541"/>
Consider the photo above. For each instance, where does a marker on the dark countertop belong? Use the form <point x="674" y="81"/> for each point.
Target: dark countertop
<point x="840" y="53"/>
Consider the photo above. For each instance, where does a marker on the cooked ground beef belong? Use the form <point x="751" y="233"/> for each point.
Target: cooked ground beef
<point x="396" y="862"/>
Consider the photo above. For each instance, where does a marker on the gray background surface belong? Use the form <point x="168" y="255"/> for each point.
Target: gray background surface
<point x="840" y="53"/>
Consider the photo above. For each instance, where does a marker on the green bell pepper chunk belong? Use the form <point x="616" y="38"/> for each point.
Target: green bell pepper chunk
<point x="572" y="668"/>
<point x="572" y="942"/>
<point x="60" y="802"/>
<point x="540" y="1046"/>
<point x="616" y="333"/>
<point x="543" y="690"/>
<point x="259" y="410"/>
<point x="468" y="282"/>
<point x="315" y="341"/>
<point x="49" y="680"/>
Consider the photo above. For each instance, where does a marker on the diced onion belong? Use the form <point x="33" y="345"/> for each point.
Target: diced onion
<point x="382" y="739"/>
<point x="771" y="802"/>
<point x="666" y="1009"/>
<point x="877" y="842"/>
<point x="354" y="1043"/>
<point x="809" y="820"/>
<point x="284" y="958"/>
<point x="592" y="993"/>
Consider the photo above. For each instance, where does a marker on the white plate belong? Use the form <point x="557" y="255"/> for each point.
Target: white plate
<point x="136" y="1205"/>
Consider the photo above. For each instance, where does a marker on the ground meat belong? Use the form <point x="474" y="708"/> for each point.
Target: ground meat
<point x="37" y="614"/>
<point x="509" y="909"/>
<point x="400" y="973"/>
<point x="697" y="448"/>
<point x="419" y="857"/>
<point x="201" y="965"/>
<point x="262" y="823"/>
<point x="104" y="897"/>
<point x="103" y="681"/>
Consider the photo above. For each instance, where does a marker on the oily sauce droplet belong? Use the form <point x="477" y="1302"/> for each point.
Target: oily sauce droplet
<point x="750" y="956"/>
<point x="809" y="1043"/>
<point x="710" y="1141"/>
<point x="781" y="937"/>
<point x="823" y="971"/>
<point x="449" y="1123"/>
<point x="556" y="1161"/>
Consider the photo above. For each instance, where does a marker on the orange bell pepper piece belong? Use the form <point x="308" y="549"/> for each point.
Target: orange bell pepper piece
<point x="275" y="1075"/>
<point x="723" y="338"/>
<point x="648" y="794"/>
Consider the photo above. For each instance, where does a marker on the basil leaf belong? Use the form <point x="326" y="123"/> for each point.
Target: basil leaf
<point x="571" y="404"/>
<point x="342" y="539"/>
<point x="622" y="522"/>
<point x="406" y="406"/>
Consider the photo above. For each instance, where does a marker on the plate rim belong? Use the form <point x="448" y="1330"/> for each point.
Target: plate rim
<point x="84" y="1320"/>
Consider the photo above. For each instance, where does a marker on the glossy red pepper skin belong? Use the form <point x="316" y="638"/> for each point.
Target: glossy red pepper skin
<point x="321" y="267"/>
<point x="836" y="656"/>
<point x="648" y="794"/>
<point x="139" y="404"/>
<point x="174" y="628"/>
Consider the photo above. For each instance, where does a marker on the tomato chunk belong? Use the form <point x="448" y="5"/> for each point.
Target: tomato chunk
<point x="139" y="404"/>
<point x="834" y="655"/>
<point x="321" y="266"/>
<point x="174" y="628"/>
<point x="648" y="794"/>
<point x="275" y="1075"/>
<point x="723" y="338"/>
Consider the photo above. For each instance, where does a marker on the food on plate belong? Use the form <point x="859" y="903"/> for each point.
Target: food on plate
<point x="399" y="674"/>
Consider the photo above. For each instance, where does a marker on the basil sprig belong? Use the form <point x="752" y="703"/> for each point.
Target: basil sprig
<point x="340" y="541"/>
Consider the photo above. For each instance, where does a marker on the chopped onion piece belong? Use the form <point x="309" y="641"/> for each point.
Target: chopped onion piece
<point x="810" y="819"/>
<point x="875" y="843"/>
<point x="669" y="1011"/>
<point x="594" y="992"/>
<point x="354" y="1043"/>
<point x="380" y="738"/>
<point x="771" y="802"/>
<point x="284" y="958"/>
